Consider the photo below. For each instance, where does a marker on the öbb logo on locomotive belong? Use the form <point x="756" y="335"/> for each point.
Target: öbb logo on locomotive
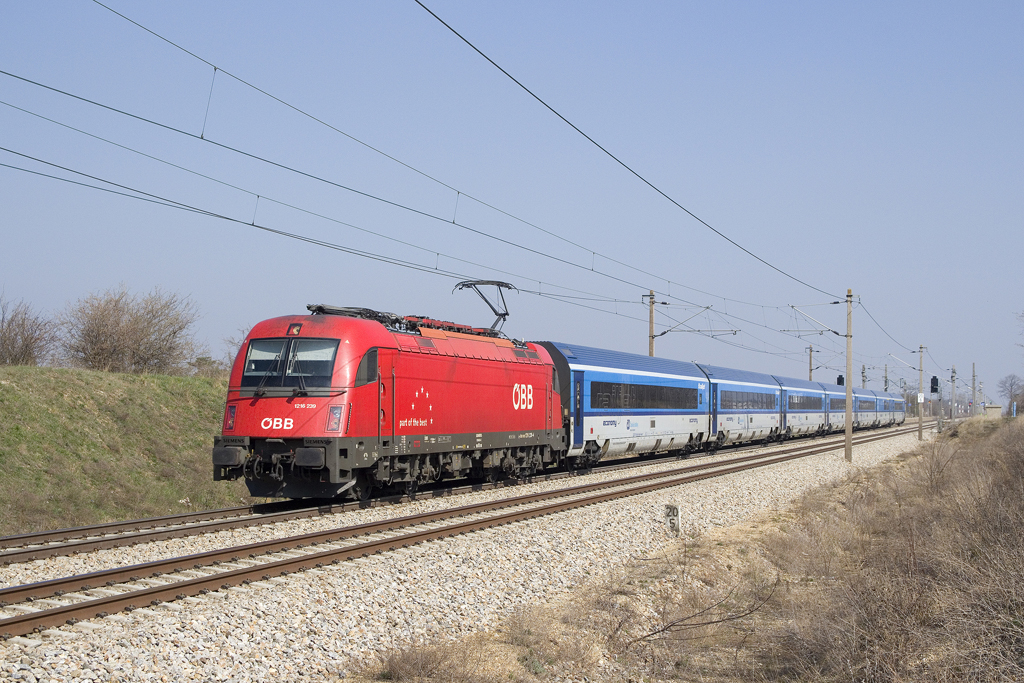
<point x="522" y="397"/>
<point x="366" y="421"/>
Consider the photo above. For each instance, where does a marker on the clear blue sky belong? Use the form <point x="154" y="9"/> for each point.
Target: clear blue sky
<point x="872" y="146"/>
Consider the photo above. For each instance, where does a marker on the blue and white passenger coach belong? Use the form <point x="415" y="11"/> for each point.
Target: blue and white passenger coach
<point x="835" y="407"/>
<point x="615" y="403"/>
<point x="865" y="413"/>
<point x="621" y="403"/>
<point x="803" y="404"/>
<point x="745" y="405"/>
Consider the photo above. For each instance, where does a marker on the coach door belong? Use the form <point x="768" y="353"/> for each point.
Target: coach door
<point x="783" y="410"/>
<point x="714" y="412"/>
<point x="577" y="408"/>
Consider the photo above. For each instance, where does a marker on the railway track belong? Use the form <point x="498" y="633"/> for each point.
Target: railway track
<point x="32" y="607"/>
<point x="37" y="546"/>
<point x="62" y="542"/>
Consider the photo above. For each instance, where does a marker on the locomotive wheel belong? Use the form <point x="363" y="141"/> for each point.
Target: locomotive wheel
<point x="410" y="488"/>
<point x="363" y="488"/>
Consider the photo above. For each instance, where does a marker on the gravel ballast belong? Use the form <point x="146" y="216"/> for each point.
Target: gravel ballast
<point x="316" y="625"/>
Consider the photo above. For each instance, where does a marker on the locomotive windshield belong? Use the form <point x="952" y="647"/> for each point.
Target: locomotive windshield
<point x="301" y="363"/>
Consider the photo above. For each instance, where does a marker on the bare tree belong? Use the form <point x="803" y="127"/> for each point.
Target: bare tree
<point x="1011" y="387"/>
<point x="26" y="338"/>
<point x="122" y="332"/>
<point x="233" y="345"/>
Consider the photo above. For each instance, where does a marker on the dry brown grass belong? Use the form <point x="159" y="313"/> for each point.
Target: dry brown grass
<point x="911" y="572"/>
<point x="920" y="574"/>
<point x="474" y="660"/>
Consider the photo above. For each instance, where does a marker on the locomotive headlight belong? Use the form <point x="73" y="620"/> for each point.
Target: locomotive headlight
<point x="334" y="419"/>
<point x="231" y="418"/>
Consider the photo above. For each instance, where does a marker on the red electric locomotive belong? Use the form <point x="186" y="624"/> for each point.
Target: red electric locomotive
<point x="349" y="399"/>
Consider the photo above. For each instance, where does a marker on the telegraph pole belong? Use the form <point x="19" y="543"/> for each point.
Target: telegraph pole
<point x="863" y="377"/>
<point x="920" y="394"/>
<point x="810" y="363"/>
<point x="952" y="394"/>
<point x="849" y="374"/>
<point x="886" y="390"/>
<point x="650" y="329"/>
<point x="974" y="391"/>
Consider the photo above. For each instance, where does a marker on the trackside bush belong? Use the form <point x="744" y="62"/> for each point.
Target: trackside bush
<point x="121" y="332"/>
<point x="26" y="338"/>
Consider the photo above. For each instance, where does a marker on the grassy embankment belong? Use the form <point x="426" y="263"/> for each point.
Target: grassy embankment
<point x="80" y="447"/>
<point x="913" y="571"/>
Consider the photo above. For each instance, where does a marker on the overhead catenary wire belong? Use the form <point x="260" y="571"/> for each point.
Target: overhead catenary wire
<point x="216" y="68"/>
<point x="619" y="161"/>
<point x="140" y="195"/>
<point x="173" y="204"/>
<point x="169" y="202"/>
<point x="905" y="348"/>
<point x="340" y="186"/>
<point x="293" y="206"/>
<point x="459" y="192"/>
<point x="327" y="181"/>
<point x="313" y="176"/>
<point x="347" y="224"/>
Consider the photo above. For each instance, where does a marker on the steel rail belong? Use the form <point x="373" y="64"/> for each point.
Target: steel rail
<point x="219" y="522"/>
<point x="156" y="568"/>
<point x="27" y="623"/>
<point x="61" y="542"/>
<point x="56" y="535"/>
<point x="159" y="534"/>
<point x="190" y="524"/>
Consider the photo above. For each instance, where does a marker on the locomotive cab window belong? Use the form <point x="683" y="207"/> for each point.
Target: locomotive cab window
<point x="303" y="363"/>
<point x="263" y="362"/>
<point x="367" y="370"/>
<point x="310" y="363"/>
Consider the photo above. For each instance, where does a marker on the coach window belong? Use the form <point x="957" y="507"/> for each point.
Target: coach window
<point x="367" y="371"/>
<point x="622" y="396"/>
